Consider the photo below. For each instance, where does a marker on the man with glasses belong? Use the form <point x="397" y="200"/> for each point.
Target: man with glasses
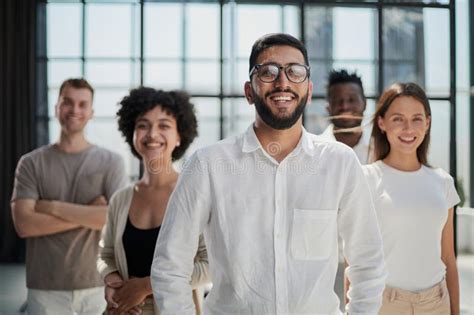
<point x="59" y="204"/>
<point x="271" y="203"/>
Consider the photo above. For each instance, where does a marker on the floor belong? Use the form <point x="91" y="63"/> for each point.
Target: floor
<point x="13" y="291"/>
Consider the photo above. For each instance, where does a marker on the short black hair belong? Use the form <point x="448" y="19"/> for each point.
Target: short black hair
<point x="342" y="76"/>
<point x="275" y="39"/>
<point x="175" y="103"/>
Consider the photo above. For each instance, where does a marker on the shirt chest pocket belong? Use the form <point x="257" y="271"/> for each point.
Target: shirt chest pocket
<point x="313" y="234"/>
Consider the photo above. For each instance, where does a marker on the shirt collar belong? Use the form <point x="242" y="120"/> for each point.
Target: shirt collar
<point x="251" y="143"/>
<point x="305" y="143"/>
<point x="328" y="133"/>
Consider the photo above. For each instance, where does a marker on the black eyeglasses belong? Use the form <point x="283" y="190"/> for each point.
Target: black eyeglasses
<point x="269" y="72"/>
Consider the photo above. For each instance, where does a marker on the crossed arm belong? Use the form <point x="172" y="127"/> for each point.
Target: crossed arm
<point x="44" y="217"/>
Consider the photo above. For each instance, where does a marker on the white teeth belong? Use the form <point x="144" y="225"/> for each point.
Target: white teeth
<point x="281" y="98"/>
<point x="154" y="145"/>
<point x="407" y="139"/>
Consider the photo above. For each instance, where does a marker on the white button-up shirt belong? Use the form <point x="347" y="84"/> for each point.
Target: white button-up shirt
<point x="361" y="149"/>
<point x="271" y="230"/>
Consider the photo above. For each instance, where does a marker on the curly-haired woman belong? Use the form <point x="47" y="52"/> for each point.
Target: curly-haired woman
<point x="159" y="126"/>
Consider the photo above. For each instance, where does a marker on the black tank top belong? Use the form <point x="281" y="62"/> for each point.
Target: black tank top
<point x="139" y="246"/>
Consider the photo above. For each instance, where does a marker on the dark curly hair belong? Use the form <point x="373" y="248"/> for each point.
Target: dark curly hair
<point x="342" y="76"/>
<point x="175" y="103"/>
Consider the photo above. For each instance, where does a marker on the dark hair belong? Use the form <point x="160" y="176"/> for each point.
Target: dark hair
<point x="342" y="76"/>
<point x="379" y="138"/>
<point x="275" y="39"/>
<point x="77" y="83"/>
<point x="175" y="103"/>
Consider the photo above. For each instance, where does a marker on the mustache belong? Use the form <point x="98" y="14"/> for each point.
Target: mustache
<point x="288" y="90"/>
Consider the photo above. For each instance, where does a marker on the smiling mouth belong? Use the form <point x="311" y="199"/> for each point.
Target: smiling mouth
<point x="283" y="101"/>
<point x="407" y="140"/>
<point x="74" y="118"/>
<point x="154" y="145"/>
<point x="281" y="98"/>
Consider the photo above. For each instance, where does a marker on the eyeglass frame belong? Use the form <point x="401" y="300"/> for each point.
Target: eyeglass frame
<point x="257" y="66"/>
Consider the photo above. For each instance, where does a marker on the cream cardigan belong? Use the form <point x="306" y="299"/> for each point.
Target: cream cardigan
<point x="112" y="254"/>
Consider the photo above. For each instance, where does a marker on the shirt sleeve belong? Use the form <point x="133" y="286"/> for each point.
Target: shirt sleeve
<point x="452" y="197"/>
<point x="25" y="185"/>
<point x="106" y="261"/>
<point x="115" y="177"/>
<point x="187" y="214"/>
<point x="363" y="249"/>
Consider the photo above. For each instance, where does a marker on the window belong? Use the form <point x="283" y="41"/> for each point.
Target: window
<point x="203" y="47"/>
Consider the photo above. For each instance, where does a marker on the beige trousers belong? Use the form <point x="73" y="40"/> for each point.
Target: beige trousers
<point x="433" y="301"/>
<point x="149" y="307"/>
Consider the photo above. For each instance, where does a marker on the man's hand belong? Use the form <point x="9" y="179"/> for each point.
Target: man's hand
<point x="31" y="218"/>
<point x="90" y="216"/>
<point x="131" y="293"/>
<point x="46" y="206"/>
<point x="99" y="201"/>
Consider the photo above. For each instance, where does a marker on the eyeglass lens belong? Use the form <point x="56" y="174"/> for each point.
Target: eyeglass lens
<point x="295" y="73"/>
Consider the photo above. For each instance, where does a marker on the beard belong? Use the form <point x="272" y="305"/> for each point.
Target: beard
<point x="275" y="121"/>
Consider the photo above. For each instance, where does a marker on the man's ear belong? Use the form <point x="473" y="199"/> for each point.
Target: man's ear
<point x="248" y="92"/>
<point x="310" y="92"/>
